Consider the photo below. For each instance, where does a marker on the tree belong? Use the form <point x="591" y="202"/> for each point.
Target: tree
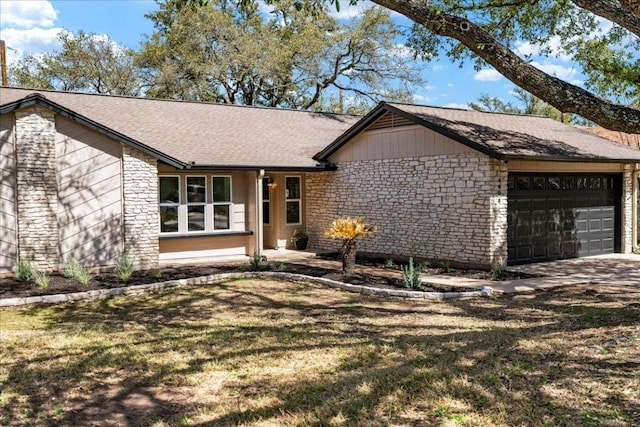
<point x="531" y="105"/>
<point x="234" y="52"/>
<point x="487" y="30"/>
<point x="86" y="63"/>
<point x="349" y="229"/>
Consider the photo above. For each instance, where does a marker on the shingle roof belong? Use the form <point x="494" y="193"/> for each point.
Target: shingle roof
<point x="207" y="134"/>
<point x="501" y="136"/>
<point x="630" y="139"/>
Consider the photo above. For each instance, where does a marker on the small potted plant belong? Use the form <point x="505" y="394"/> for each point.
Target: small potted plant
<point x="300" y="240"/>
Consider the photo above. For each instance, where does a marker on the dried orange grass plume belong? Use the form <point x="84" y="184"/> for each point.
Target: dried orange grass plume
<point x="349" y="229"/>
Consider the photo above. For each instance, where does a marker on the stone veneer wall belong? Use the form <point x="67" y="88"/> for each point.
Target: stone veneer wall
<point x="627" y="209"/>
<point x="140" y="191"/>
<point x="37" y="193"/>
<point x="448" y="207"/>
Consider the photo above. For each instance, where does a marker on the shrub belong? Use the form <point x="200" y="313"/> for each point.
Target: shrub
<point x="24" y="270"/>
<point x="41" y="278"/>
<point x="388" y="262"/>
<point x="411" y="275"/>
<point x="83" y="276"/>
<point x="446" y="267"/>
<point x="157" y="273"/>
<point x="349" y="229"/>
<point x="256" y="262"/>
<point x="124" y="267"/>
<point x="497" y="272"/>
<point x="71" y="268"/>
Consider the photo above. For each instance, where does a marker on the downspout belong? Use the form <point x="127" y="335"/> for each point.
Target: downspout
<point x="259" y="214"/>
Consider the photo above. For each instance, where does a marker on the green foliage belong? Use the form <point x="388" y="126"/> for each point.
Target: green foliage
<point x="257" y="262"/>
<point x="446" y="267"/>
<point x="24" y="270"/>
<point x="71" y="268"/>
<point x="529" y="104"/>
<point x="497" y="272"/>
<point x="83" y="276"/>
<point x="41" y="279"/>
<point x="157" y="273"/>
<point x="411" y="275"/>
<point x="281" y="266"/>
<point x="295" y="56"/>
<point x="124" y="267"/>
<point x="389" y="262"/>
<point x="86" y="62"/>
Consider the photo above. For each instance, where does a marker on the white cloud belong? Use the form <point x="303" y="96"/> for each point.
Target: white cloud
<point x="559" y="71"/>
<point x="27" y="14"/>
<point x="456" y="105"/>
<point x="348" y="11"/>
<point x="421" y="99"/>
<point x="450" y="84"/>
<point x="487" y="75"/>
<point x="35" y="40"/>
<point x="438" y="67"/>
<point x="28" y="27"/>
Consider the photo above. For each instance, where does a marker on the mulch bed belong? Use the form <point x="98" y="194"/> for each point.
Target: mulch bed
<point x="58" y="284"/>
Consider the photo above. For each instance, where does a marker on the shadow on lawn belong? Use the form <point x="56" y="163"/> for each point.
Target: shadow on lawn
<point x="507" y="361"/>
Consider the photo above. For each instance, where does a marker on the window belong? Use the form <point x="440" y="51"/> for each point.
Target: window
<point x="169" y="203"/>
<point x="293" y="200"/>
<point x="221" y="202"/>
<point x="266" y="203"/>
<point x="196" y="202"/>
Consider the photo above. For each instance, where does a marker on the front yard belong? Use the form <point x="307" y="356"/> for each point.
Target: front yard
<point x="268" y="353"/>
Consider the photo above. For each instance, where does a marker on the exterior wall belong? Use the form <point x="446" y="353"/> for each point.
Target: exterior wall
<point x="443" y="207"/>
<point x="174" y="246"/>
<point x="398" y="143"/>
<point x="37" y="197"/>
<point x="278" y="233"/>
<point x="627" y="209"/>
<point x="89" y="213"/>
<point x="547" y="166"/>
<point x="204" y="246"/>
<point x="8" y="222"/>
<point x="141" y="223"/>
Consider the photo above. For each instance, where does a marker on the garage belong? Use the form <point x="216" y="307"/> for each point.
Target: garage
<point x="558" y="216"/>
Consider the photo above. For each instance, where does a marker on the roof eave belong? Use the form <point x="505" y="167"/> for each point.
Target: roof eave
<point x="383" y="108"/>
<point x="37" y="99"/>
<point x="570" y="159"/>
<point x="274" y="168"/>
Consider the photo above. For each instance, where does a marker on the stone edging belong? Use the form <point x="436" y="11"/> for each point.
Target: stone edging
<point x="216" y="278"/>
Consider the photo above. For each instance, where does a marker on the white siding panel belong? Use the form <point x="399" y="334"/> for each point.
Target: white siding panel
<point x="8" y="225"/>
<point x="89" y="194"/>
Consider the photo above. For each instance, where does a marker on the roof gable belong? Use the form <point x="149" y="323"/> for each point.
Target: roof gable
<point x="38" y="99"/>
<point x="498" y="135"/>
<point x="199" y="135"/>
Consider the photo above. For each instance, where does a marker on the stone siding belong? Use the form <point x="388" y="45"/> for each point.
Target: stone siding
<point x="141" y="223"/>
<point x="446" y="207"/>
<point x="37" y="193"/>
<point x="627" y="209"/>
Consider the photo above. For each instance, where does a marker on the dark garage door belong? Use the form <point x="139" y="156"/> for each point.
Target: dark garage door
<point x="557" y="216"/>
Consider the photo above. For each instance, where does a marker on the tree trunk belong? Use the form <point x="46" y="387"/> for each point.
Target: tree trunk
<point x="564" y="96"/>
<point x="349" y="249"/>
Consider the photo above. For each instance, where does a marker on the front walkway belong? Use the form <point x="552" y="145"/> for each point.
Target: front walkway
<point x="614" y="269"/>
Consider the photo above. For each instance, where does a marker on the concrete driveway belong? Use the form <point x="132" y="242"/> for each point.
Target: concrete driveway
<point x="613" y="269"/>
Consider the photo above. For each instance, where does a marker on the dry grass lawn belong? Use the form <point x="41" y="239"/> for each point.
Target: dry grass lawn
<point x="268" y="353"/>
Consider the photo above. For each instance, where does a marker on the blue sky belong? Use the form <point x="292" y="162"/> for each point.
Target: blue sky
<point x="30" y="26"/>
